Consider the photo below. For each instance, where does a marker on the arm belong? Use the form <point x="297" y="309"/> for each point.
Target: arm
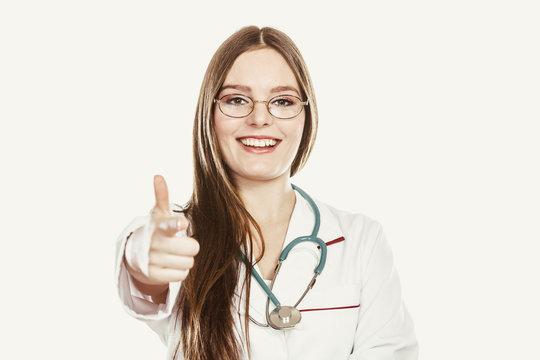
<point x="159" y="255"/>
<point x="385" y="330"/>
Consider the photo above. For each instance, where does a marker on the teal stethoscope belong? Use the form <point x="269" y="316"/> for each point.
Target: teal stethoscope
<point x="284" y="316"/>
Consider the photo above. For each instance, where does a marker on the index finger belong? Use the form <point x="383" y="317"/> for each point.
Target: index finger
<point x="161" y="193"/>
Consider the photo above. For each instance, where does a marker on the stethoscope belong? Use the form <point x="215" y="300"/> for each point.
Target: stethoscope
<point x="284" y="316"/>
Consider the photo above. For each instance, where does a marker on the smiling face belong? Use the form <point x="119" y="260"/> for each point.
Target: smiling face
<point x="259" y="146"/>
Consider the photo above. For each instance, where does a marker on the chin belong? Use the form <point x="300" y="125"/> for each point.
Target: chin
<point x="259" y="177"/>
<point x="259" y="174"/>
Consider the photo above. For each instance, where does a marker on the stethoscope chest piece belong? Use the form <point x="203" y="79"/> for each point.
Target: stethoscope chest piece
<point x="284" y="317"/>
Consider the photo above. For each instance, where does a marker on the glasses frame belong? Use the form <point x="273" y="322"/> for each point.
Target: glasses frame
<point x="267" y="102"/>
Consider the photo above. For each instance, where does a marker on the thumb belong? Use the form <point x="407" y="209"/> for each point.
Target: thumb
<point x="162" y="195"/>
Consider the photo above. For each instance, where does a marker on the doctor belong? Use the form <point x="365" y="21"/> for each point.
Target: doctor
<point x="203" y="277"/>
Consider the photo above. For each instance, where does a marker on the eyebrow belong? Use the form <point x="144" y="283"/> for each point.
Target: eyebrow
<point x="248" y="89"/>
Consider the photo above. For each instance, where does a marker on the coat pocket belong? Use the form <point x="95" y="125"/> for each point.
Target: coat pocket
<point x="329" y="320"/>
<point x="334" y="298"/>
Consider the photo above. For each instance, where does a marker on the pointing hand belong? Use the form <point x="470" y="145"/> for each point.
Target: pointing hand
<point x="171" y="253"/>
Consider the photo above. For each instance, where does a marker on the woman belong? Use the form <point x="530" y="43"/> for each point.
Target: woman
<point x="254" y="128"/>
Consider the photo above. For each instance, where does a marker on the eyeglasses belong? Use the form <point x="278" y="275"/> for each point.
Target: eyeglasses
<point x="281" y="106"/>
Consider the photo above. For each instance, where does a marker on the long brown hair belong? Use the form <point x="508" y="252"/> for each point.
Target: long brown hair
<point x="219" y="220"/>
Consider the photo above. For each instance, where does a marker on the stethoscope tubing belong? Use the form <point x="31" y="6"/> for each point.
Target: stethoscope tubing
<point x="283" y="256"/>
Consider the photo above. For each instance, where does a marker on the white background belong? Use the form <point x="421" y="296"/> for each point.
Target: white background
<point x="429" y="123"/>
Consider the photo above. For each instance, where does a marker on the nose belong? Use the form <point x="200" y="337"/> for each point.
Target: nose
<point x="260" y="116"/>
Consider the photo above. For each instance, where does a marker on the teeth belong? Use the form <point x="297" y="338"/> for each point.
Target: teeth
<point x="258" y="142"/>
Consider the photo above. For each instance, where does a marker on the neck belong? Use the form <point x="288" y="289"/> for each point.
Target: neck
<point x="269" y="201"/>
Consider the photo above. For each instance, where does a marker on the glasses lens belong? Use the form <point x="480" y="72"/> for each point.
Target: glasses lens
<point x="285" y="107"/>
<point x="235" y="105"/>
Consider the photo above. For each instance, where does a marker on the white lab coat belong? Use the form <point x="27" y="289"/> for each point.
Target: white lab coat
<point x="354" y="311"/>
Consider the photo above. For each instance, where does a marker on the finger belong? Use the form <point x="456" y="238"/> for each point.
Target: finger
<point x="166" y="274"/>
<point x="169" y="226"/>
<point x="171" y="261"/>
<point x="178" y="245"/>
<point x="161" y="193"/>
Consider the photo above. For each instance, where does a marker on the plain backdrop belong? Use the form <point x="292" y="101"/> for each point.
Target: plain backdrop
<point x="429" y="123"/>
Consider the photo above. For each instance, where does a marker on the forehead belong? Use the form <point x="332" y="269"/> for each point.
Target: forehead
<point x="261" y="70"/>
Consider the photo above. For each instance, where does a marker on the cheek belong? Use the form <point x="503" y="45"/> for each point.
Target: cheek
<point x="222" y="128"/>
<point x="298" y="129"/>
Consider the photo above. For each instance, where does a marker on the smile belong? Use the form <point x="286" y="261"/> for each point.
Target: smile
<point x="258" y="143"/>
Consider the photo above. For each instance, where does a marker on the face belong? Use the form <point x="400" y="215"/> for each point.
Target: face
<point x="259" y="146"/>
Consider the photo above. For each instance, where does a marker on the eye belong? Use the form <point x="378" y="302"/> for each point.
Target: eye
<point x="235" y="100"/>
<point x="284" y="101"/>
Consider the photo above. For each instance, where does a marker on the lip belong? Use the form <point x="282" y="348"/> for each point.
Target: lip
<point x="254" y="150"/>
<point x="258" y="137"/>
